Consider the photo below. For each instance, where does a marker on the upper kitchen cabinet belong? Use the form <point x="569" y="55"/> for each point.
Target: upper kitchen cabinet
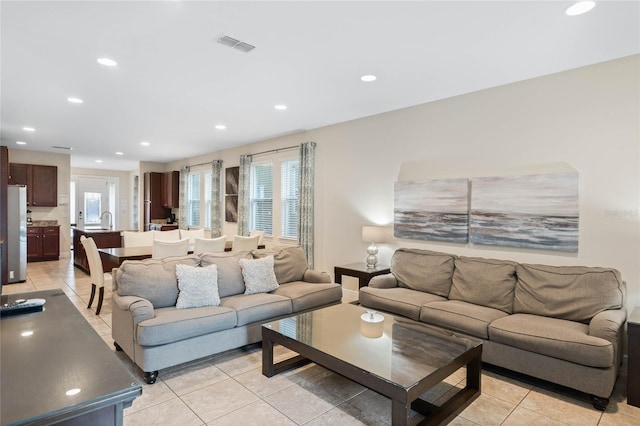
<point x="171" y="185"/>
<point x="41" y="182"/>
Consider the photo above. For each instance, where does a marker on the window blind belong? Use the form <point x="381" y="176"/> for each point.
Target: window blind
<point x="261" y="217"/>
<point x="289" y="171"/>
<point x="193" y="210"/>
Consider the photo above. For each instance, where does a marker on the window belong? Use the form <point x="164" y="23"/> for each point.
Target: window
<point x="289" y="171"/>
<point x="207" y="199"/>
<point x="193" y="203"/>
<point x="261" y="209"/>
<point x="274" y="196"/>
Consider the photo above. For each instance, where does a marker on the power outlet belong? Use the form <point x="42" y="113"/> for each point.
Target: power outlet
<point x="11" y="275"/>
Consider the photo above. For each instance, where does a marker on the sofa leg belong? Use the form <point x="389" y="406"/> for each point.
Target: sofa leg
<point x="150" y="377"/>
<point x="118" y="347"/>
<point x="599" y="403"/>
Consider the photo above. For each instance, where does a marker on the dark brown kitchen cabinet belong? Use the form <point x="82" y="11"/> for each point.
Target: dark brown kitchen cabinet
<point x="43" y="243"/>
<point x="171" y="187"/>
<point x="153" y="194"/>
<point x="41" y="182"/>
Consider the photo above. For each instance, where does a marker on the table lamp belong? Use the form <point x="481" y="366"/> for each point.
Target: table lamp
<point x="373" y="235"/>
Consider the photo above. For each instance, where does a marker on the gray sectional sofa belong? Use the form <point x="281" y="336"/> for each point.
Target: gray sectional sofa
<point x="562" y="324"/>
<point x="156" y="334"/>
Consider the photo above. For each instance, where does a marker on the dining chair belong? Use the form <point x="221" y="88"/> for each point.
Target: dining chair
<point x="138" y="239"/>
<point x="98" y="277"/>
<point x="210" y="245"/>
<point x="192" y="234"/>
<point x="162" y="249"/>
<point x="259" y="233"/>
<point x="241" y="243"/>
<point x="171" y="235"/>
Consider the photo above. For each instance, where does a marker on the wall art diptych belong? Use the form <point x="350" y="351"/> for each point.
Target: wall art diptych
<point x="534" y="211"/>
<point x="435" y="210"/>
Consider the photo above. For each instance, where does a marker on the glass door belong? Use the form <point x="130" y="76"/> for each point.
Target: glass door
<point x="92" y="203"/>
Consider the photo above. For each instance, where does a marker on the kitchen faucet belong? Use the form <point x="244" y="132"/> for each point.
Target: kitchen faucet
<point x="110" y="219"/>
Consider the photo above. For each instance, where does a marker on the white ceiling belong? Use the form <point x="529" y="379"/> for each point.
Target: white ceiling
<point x="174" y="82"/>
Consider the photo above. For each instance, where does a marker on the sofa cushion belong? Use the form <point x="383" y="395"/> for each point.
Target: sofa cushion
<point x="258" y="275"/>
<point x="575" y="293"/>
<point x="461" y="316"/>
<point x="289" y="262"/>
<point x="197" y="286"/>
<point x="307" y="296"/>
<point x="397" y="300"/>
<point x="423" y="270"/>
<point x="230" y="279"/>
<point x="172" y="324"/>
<point x="484" y="282"/>
<point x="257" y="307"/>
<point x="152" y="279"/>
<point x="557" y="338"/>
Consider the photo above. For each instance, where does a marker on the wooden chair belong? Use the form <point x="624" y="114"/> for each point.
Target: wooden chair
<point x="138" y="239"/>
<point x="209" y="245"/>
<point x="98" y="277"/>
<point x="162" y="249"/>
<point x="241" y="243"/>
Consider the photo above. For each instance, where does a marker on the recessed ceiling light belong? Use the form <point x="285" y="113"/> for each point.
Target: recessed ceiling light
<point x="221" y="126"/>
<point x="27" y="333"/>
<point x="280" y="107"/>
<point x="28" y="129"/>
<point x="72" y="392"/>
<point x="21" y="143"/>
<point x="145" y="143"/>
<point x="75" y="100"/>
<point x="368" y="78"/>
<point x="580" y="7"/>
<point x="119" y="153"/>
<point x="107" y="62"/>
<point x="98" y="161"/>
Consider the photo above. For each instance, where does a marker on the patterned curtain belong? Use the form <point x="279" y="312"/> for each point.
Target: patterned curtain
<point x="305" y="200"/>
<point x="244" y="192"/>
<point x="216" y="200"/>
<point x="184" y="179"/>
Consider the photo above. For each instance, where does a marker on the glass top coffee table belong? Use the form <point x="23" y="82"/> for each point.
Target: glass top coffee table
<point x="408" y="359"/>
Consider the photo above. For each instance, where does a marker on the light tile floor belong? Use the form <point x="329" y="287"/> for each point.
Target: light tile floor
<point x="229" y="389"/>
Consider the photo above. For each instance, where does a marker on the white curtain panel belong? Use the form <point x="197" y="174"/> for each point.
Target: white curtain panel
<point x="305" y="200"/>
<point x="244" y="192"/>
<point x="182" y="215"/>
<point x="216" y="199"/>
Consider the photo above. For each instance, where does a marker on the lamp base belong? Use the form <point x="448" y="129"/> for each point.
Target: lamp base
<point x="372" y="259"/>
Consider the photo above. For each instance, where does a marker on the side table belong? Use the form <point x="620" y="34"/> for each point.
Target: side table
<point x="360" y="271"/>
<point x="633" y="372"/>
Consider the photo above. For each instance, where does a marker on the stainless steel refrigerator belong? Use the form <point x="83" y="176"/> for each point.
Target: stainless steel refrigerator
<point x="17" y="233"/>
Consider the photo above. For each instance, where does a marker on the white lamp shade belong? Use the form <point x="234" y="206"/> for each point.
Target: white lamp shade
<point x="374" y="234"/>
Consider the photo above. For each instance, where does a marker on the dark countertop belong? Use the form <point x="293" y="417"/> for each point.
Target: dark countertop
<point x="96" y="230"/>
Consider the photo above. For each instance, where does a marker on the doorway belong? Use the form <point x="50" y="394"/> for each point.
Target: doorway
<point x="95" y="197"/>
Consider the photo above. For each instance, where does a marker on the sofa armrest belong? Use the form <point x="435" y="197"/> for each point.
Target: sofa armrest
<point x="384" y="281"/>
<point x="311" y="276"/>
<point x="140" y="309"/>
<point x="607" y="324"/>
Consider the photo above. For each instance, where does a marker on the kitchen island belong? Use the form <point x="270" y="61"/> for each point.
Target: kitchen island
<point x="104" y="238"/>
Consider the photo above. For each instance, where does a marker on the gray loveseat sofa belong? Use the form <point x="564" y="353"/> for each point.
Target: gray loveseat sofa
<point x="156" y="334"/>
<point x="562" y="324"/>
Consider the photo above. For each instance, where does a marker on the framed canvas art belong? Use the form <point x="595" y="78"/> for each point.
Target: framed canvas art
<point x="432" y="210"/>
<point x="534" y="211"/>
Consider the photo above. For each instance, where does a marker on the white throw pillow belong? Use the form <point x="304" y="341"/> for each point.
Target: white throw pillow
<point x="198" y="286"/>
<point x="258" y="275"/>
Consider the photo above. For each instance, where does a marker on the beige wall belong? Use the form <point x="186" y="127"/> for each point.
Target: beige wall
<point x="588" y="119"/>
<point x="61" y="212"/>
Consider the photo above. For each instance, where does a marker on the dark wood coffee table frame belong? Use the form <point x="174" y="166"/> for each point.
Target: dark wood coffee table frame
<point x="403" y="399"/>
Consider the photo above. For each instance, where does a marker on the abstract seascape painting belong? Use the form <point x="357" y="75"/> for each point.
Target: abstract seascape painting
<point x="435" y="210"/>
<point x="534" y="211"/>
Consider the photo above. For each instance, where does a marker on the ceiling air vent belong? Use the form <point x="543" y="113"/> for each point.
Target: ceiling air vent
<point x="68" y="148"/>
<point x="236" y="44"/>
